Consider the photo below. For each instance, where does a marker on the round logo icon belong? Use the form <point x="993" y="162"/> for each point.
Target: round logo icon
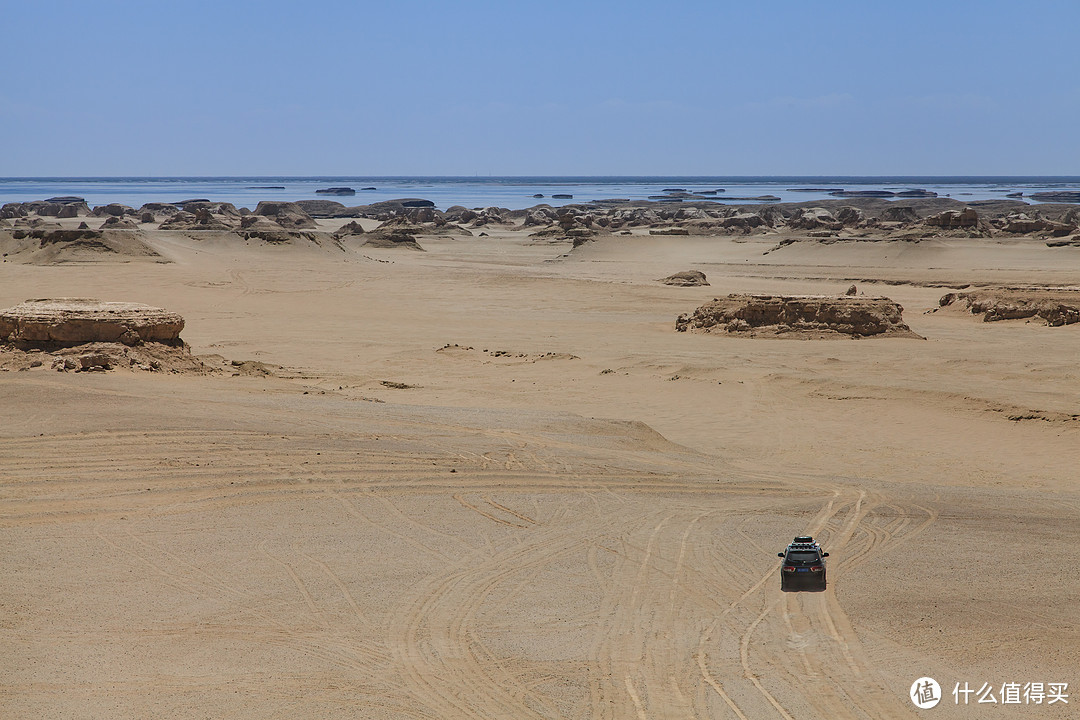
<point x="925" y="693"/>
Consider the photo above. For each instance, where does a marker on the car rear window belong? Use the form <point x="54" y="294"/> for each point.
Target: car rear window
<point x="802" y="557"/>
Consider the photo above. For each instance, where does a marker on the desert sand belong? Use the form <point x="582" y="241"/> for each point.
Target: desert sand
<point x="490" y="480"/>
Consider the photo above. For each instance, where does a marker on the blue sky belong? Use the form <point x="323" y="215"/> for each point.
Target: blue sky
<point x="540" y="88"/>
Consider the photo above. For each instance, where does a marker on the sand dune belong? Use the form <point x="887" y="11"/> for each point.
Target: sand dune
<point x="65" y="245"/>
<point x="492" y="480"/>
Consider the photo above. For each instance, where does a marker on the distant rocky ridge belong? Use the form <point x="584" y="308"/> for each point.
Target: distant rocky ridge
<point x="856" y="219"/>
<point x="918" y="193"/>
<point x="1065" y="196"/>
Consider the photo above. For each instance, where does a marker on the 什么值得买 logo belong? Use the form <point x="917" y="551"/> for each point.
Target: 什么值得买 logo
<point x="925" y="693"/>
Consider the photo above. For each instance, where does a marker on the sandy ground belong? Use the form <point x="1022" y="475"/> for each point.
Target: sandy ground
<point x="570" y="511"/>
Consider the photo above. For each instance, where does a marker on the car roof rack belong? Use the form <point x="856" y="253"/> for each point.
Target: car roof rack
<point x="804" y="542"/>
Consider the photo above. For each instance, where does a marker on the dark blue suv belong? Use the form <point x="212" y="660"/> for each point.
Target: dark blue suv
<point x="804" y="565"/>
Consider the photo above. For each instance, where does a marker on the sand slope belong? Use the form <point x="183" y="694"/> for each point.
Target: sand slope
<point x="573" y="511"/>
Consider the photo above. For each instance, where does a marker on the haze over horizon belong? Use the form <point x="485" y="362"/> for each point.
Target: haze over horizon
<point x="428" y="89"/>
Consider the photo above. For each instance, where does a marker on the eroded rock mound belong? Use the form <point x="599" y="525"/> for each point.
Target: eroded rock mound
<point x="103" y="357"/>
<point x="743" y="222"/>
<point x="1021" y="224"/>
<point x="385" y="209"/>
<point x="686" y="278"/>
<point x="61" y="207"/>
<point x="76" y="321"/>
<point x="349" y="228"/>
<point x="809" y="315"/>
<point x="951" y="219"/>
<point x="118" y="223"/>
<point x="113" y="209"/>
<point x="226" y="209"/>
<point x="321" y="208"/>
<point x="393" y="237"/>
<point x="159" y="208"/>
<point x="899" y="214"/>
<point x="200" y="219"/>
<point x="815" y="218"/>
<point x="54" y="246"/>
<point x="1057" y="306"/>
<point x="288" y="215"/>
<point x="257" y="223"/>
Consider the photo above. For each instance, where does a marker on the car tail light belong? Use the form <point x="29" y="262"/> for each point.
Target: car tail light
<point x="789" y="568"/>
<point x="815" y="568"/>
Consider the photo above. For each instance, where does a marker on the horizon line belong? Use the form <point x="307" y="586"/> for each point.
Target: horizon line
<point x="539" y="177"/>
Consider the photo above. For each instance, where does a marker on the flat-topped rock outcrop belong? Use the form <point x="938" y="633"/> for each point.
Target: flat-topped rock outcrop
<point x="1063" y="196"/>
<point x="1057" y="306"/>
<point x="75" y="321"/>
<point x="810" y="315"/>
<point x="686" y="278"/>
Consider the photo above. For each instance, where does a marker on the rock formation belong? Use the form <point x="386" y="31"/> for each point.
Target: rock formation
<point x="65" y="206"/>
<point x="159" y="208"/>
<point x="201" y="219"/>
<point x="288" y="215"/>
<point x="815" y="315"/>
<point x="52" y="246"/>
<point x="118" y="223"/>
<point x="258" y="222"/>
<point x="322" y="208"/>
<point x="743" y="221"/>
<point x="75" y="321"/>
<point x="850" y="216"/>
<point x="951" y="219"/>
<point x="814" y="219"/>
<point x="225" y="209"/>
<point x="393" y="237"/>
<point x="1057" y="306"/>
<point x="349" y="228"/>
<point x="686" y="278"/>
<point x="114" y="209"/>
<point x="900" y="214"/>
<point x="1064" y="196"/>
<point x="863" y="193"/>
<point x="540" y="216"/>
<point x="12" y="210"/>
